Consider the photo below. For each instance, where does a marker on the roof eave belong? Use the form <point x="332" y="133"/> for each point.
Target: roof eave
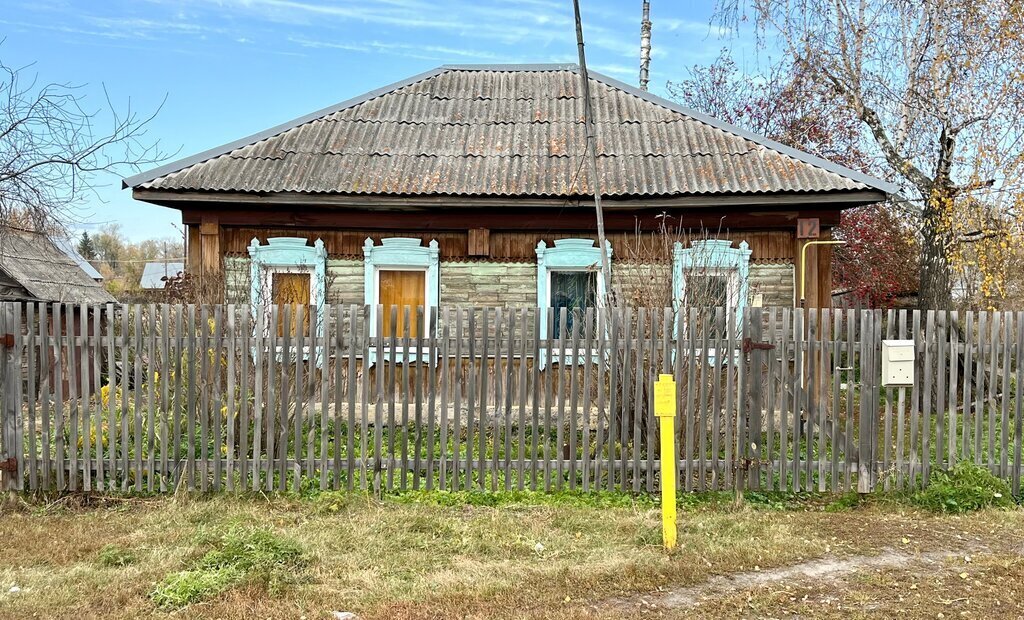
<point x="843" y="199"/>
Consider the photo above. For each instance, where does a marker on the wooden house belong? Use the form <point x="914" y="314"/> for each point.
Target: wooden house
<point x="468" y="185"/>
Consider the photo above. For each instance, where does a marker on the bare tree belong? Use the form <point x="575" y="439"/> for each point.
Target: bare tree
<point x="937" y="88"/>
<point x="782" y="102"/>
<point x="54" y="151"/>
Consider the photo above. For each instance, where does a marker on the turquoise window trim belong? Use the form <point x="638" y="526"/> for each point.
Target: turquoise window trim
<point x="401" y="254"/>
<point x="712" y="257"/>
<point x="567" y="255"/>
<point x="288" y="255"/>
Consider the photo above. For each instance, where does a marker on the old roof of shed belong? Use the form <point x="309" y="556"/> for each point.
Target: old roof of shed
<point x="505" y="130"/>
<point x="44" y="271"/>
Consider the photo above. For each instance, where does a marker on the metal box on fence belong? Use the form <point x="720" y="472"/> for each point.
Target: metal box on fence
<point x="897" y="363"/>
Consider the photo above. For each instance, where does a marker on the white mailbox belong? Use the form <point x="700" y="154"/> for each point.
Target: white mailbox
<point x="897" y="363"/>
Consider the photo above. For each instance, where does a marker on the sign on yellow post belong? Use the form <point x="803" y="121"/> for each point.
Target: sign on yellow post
<point x="665" y="409"/>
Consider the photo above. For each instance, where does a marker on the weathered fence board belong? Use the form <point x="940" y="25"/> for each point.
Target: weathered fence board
<point x="153" y="398"/>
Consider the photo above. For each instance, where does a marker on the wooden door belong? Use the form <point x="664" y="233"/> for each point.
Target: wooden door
<point x="402" y="288"/>
<point x="291" y="289"/>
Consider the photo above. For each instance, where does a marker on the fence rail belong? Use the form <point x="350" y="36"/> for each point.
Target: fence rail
<point x="152" y="398"/>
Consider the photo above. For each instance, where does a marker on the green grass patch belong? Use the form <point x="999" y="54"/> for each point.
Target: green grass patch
<point x="592" y="499"/>
<point x="112" y="556"/>
<point x="255" y="557"/>
<point x="965" y="488"/>
<point x="846" y="501"/>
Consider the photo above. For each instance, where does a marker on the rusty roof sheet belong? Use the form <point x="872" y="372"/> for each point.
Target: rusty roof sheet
<point x="505" y="131"/>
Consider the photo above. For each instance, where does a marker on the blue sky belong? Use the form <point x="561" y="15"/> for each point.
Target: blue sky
<point x="229" y="68"/>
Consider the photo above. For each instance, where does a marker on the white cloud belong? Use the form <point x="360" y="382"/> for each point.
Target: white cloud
<point x="351" y="47"/>
<point x="673" y="24"/>
<point x="407" y="50"/>
<point x="623" y="72"/>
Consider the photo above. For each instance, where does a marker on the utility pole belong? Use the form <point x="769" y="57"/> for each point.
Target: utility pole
<point x="645" y="45"/>
<point x="588" y="121"/>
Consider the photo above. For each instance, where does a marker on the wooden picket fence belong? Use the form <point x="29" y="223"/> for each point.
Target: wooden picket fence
<point x="155" y="398"/>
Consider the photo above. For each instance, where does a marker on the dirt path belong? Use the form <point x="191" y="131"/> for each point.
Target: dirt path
<point x="829" y="567"/>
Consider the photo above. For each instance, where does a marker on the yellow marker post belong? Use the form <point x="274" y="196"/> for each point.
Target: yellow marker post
<point x="665" y="409"/>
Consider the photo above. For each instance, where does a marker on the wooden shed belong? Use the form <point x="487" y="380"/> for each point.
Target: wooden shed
<point x="48" y="283"/>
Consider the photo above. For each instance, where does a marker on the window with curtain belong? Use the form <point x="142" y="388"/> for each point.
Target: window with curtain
<point x="401" y="289"/>
<point x="291" y="289"/>
<point x="575" y="291"/>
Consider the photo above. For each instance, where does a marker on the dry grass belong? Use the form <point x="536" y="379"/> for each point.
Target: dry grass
<point x="423" y="560"/>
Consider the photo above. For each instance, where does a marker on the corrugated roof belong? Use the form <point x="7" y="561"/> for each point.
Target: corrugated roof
<point x="153" y="273"/>
<point x="45" y="272"/>
<point x="68" y="247"/>
<point x="505" y="131"/>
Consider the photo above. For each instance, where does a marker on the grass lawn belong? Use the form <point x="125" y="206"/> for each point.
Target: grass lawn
<point x="451" y="555"/>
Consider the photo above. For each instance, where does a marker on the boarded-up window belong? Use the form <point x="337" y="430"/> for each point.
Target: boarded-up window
<point x="291" y="289"/>
<point x="401" y="288"/>
<point x="572" y="290"/>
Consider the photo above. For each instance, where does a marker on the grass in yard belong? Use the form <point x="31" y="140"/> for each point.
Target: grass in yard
<point x="258" y="557"/>
<point x="988" y="585"/>
<point x="114" y="556"/>
<point x="426" y="555"/>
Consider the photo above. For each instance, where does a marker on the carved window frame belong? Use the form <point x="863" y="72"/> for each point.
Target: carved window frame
<point x="571" y="254"/>
<point x="287" y="255"/>
<point x="401" y="254"/>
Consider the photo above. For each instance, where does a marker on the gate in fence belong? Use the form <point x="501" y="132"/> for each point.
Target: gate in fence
<point x="148" y="398"/>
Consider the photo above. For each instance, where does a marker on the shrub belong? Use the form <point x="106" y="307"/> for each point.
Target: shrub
<point x="965" y="488"/>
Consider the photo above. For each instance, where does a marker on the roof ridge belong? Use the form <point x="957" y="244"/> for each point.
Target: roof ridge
<point x="535" y="67"/>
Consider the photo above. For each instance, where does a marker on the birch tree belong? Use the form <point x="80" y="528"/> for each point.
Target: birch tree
<point x="782" y="101"/>
<point x="938" y="89"/>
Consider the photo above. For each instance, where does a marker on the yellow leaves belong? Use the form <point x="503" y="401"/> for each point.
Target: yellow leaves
<point x="92" y="438"/>
<point x="105" y="394"/>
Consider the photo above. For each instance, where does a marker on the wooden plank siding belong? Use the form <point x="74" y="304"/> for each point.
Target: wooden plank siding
<point x="476" y="236"/>
<point x="507" y="275"/>
<point x="503" y="245"/>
